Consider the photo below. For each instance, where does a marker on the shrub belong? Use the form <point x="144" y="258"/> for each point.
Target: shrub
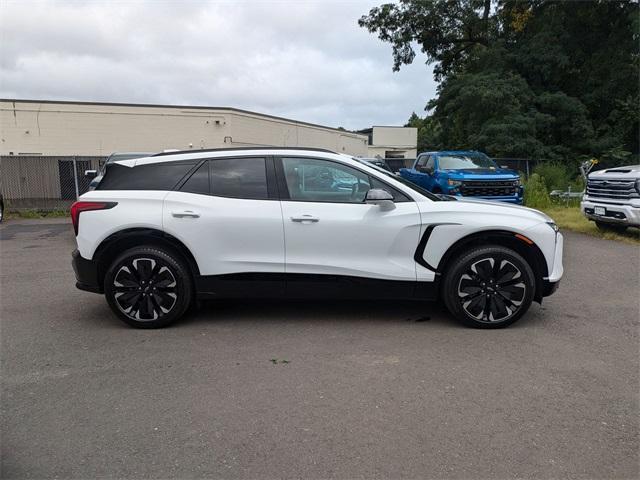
<point x="556" y="175"/>
<point x="535" y="192"/>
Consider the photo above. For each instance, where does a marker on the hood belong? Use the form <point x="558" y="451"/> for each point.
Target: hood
<point x="629" y="171"/>
<point x="483" y="174"/>
<point x="507" y="208"/>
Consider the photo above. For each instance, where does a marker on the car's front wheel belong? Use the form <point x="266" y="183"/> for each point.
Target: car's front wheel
<point x="148" y="287"/>
<point x="488" y="287"/>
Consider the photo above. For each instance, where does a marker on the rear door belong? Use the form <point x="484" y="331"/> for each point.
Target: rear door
<point x="330" y="231"/>
<point x="227" y="213"/>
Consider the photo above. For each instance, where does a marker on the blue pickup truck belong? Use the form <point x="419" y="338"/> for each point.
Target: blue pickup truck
<point x="465" y="173"/>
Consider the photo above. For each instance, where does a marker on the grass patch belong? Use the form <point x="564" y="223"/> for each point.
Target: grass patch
<point x="35" y="213"/>
<point x="571" y="218"/>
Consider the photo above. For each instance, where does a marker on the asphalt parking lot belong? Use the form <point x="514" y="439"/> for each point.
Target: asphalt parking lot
<point x="323" y="389"/>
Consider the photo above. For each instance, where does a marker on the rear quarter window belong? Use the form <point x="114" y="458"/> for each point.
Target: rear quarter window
<point x="152" y="176"/>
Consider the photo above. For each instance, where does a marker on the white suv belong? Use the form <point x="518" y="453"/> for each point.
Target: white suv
<point x="161" y="231"/>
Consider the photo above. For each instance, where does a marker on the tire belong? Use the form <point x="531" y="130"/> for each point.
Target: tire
<point x="148" y="287"/>
<point x="610" y="227"/>
<point x="493" y="273"/>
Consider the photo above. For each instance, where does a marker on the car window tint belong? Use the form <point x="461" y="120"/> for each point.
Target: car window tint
<point x="198" y="182"/>
<point x="315" y="180"/>
<point x="151" y="176"/>
<point x="239" y="178"/>
<point x="422" y="160"/>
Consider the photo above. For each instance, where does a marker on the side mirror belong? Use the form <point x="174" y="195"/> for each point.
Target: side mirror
<point x="427" y="170"/>
<point x="91" y="173"/>
<point x="377" y="196"/>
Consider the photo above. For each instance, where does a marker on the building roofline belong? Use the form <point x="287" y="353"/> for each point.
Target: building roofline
<point x="155" y="105"/>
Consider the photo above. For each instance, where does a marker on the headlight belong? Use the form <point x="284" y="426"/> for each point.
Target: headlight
<point x="553" y="225"/>
<point x="638" y="185"/>
<point x="518" y="182"/>
<point x="454" y="183"/>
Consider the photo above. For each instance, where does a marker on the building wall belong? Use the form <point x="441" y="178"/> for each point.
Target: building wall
<point x="61" y="128"/>
<point x="403" y="137"/>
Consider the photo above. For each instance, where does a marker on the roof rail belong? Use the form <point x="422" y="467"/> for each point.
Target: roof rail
<point x="232" y="149"/>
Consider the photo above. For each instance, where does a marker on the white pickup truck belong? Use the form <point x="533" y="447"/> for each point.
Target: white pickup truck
<point x="612" y="198"/>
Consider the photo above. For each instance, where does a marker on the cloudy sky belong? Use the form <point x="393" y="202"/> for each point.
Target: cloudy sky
<point x="303" y="59"/>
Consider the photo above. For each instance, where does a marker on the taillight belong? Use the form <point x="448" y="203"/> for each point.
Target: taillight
<point x="79" y="207"/>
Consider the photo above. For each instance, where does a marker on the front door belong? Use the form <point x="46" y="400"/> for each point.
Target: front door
<point x="332" y="234"/>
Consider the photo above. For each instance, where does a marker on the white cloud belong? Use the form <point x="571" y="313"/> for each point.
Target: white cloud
<point x="302" y="59"/>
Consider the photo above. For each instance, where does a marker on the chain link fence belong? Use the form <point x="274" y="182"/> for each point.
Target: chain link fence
<point x="44" y="182"/>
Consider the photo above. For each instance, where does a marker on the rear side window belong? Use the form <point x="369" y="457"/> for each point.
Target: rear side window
<point x="239" y="178"/>
<point x="198" y="182"/>
<point x="152" y="176"/>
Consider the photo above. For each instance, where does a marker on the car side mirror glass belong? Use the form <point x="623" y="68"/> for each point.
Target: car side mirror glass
<point x="91" y="173"/>
<point x="378" y="196"/>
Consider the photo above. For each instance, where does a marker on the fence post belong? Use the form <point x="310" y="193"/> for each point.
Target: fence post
<point x="527" y="164"/>
<point x="75" y="177"/>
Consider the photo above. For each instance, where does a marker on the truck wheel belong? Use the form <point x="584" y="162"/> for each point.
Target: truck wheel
<point x="488" y="287"/>
<point x="148" y="287"/>
<point x="611" y="227"/>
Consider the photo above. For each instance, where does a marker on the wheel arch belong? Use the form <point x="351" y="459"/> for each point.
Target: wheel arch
<point x="529" y="251"/>
<point x="117" y="242"/>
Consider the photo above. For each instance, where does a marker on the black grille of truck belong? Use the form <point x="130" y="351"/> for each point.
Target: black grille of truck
<point x="501" y="188"/>
<point x="614" y="189"/>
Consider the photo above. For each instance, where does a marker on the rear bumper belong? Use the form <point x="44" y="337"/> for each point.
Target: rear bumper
<point x="86" y="273"/>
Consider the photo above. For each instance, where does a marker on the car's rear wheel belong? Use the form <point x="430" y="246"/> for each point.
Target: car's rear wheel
<point x="610" y="227"/>
<point x="489" y="287"/>
<point x="148" y="287"/>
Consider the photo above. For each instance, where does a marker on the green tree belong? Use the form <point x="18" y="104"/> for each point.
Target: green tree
<point x="536" y="78"/>
<point x="428" y="132"/>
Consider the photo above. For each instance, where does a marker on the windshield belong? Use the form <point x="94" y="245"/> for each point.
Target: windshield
<point x="398" y="178"/>
<point x="468" y="161"/>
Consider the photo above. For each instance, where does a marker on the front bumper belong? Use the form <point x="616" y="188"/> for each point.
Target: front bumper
<point x="507" y="199"/>
<point x="549" y="288"/>
<point x="619" y="214"/>
<point x="86" y="273"/>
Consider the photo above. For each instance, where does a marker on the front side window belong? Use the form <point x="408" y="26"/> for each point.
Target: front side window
<point x="422" y="160"/>
<point x="314" y="180"/>
<point x="431" y="163"/>
<point x="239" y="178"/>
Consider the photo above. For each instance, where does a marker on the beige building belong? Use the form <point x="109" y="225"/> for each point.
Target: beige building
<point x="82" y="128"/>
<point x="391" y="142"/>
<point x="30" y="127"/>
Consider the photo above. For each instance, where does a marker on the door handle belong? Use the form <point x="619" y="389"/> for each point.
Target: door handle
<point x="185" y="213"/>
<point x="305" y="218"/>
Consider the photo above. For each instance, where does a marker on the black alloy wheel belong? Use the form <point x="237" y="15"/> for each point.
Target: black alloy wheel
<point x="489" y="287"/>
<point x="148" y="287"/>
